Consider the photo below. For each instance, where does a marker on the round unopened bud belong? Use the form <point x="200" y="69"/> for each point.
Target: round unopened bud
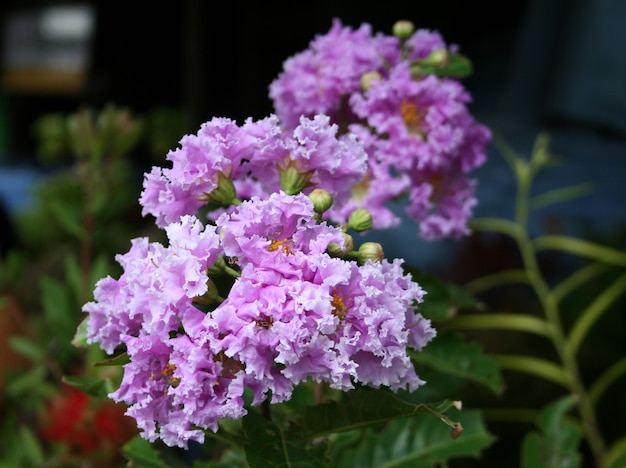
<point x="370" y="251"/>
<point x="335" y="250"/>
<point x="224" y="194"/>
<point x="360" y="220"/>
<point x="368" y="79"/>
<point x="293" y="179"/>
<point x="403" y="29"/>
<point x="439" y="57"/>
<point x="322" y="200"/>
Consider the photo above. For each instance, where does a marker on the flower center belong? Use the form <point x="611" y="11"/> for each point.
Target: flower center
<point x="413" y="116"/>
<point x="265" y="322"/>
<point x="283" y="244"/>
<point x="339" y="306"/>
<point x="168" y="373"/>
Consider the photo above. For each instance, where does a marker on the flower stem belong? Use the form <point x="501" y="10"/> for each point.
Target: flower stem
<point x="550" y="305"/>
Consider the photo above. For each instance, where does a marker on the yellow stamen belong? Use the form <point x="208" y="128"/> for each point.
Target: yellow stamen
<point x="339" y="306"/>
<point x="412" y="115"/>
<point x="283" y="244"/>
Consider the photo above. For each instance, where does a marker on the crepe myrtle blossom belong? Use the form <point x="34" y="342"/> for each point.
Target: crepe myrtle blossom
<point x="292" y="313"/>
<point x="225" y="162"/>
<point x="429" y="136"/>
<point x="316" y="80"/>
<point x="421" y="140"/>
<point x="153" y="293"/>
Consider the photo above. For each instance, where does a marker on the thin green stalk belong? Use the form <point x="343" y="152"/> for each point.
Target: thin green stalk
<point x="515" y="322"/>
<point x="499" y="278"/>
<point x="593" y="312"/>
<point x="605" y="380"/>
<point x="550" y="307"/>
<point x="581" y="248"/>
<point x="580" y="277"/>
<point x="535" y="366"/>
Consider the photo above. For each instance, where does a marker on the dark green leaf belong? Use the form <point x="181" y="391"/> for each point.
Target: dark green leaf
<point x="118" y="360"/>
<point x="361" y="408"/>
<point x="27" y="348"/>
<point x="268" y="445"/>
<point x="69" y="221"/>
<point x="142" y="453"/>
<point x="80" y="338"/>
<point x="94" y="386"/>
<point x="555" y="445"/>
<point x="448" y="353"/>
<point x="412" y="442"/>
<point x="457" y="66"/>
<point x="58" y="308"/>
<point x="442" y="300"/>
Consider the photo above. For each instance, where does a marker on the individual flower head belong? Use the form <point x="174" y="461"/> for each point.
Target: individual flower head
<point x="381" y="185"/>
<point x="376" y="307"/>
<point x="423" y="128"/>
<point x="316" y="80"/>
<point x="410" y="124"/>
<point x="219" y="147"/>
<point x="225" y="162"/>
<point x="153" y="291"/>
<point x="276" y="233"/>
<point x="146" y="384"/>
<point x="311" y="156"/>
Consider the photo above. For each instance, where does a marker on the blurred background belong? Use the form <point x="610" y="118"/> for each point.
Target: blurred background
<point x="554" y="66"/>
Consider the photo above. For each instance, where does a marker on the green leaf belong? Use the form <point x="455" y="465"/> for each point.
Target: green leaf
<point x="363" y="408"/>
<point x="118" y="360"/>
<point x="30" y="445"/>
<point x="442" y="300"/>
<point x="411" y="442"/>
<point x="616" y="453"/>
<point x="606" y="379"/>
<point x="581" y="248"/>
<point x="27" y="348"/>
<point x="142" y="453"/>
<point x="32" y="381"/>
<point x="556" y="443"/>
<point x="58" y="309"/>
<point x="268" y="445"/>
<point x="513" y="322"/>
<point x="457" y="66"/>
<point x="593" y="312"/>
<point x="560" y="195"/>
<point x="538" y="367"/>
<point x="448" y="353"/>
<point x="80" y="337"/>
<point x="68" y="220"/>
<point x="94" y="386"/>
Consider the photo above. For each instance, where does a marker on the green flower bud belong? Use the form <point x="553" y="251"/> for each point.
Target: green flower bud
<point x="403" y="29"/>
<point x="293" y="179"/>
<point x="370" y="251"/>
<point x="217" y="269"/>
<point x="224" y="194"/>
<point x="335" y="250"/>
<point x="360" y="220"/>
<point x="322" y="200"/>
<point x="367" y="79"/>
<point x="438" y="58"/>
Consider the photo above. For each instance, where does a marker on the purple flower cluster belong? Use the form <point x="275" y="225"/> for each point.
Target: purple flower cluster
<point x="253" y="156"/>
<point x="293" y="313"/>
<point x="419" y="135"/>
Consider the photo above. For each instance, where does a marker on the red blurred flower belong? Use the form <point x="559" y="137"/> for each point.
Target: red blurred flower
<point x="87" y="427"/>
